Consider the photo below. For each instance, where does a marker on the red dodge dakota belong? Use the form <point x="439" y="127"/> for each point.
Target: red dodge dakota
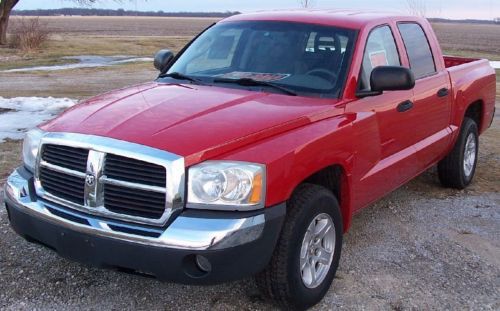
<point x="253" y="149"/>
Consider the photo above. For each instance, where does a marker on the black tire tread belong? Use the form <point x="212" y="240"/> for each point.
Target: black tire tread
<point x="273" y="281"/>
<point x="449" y="171"/>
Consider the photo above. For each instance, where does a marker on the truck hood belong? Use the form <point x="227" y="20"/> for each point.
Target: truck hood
<point x="197" y="122"/>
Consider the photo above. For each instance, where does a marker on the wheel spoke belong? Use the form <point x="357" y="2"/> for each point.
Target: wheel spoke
<point x="312" y="269"/>
<point x="306" y="273"/>
<point x="303" y="264"/>
<point x="322" y="229"/>
<point x="324" y="257"/>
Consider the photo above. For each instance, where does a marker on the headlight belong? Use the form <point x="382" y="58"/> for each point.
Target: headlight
<point x="30" y="148"/>
<point x="226" y="185"/>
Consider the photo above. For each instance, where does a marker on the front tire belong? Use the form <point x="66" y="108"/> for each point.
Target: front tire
<point x="307" y="255"/>
<point x="459" y="166"/>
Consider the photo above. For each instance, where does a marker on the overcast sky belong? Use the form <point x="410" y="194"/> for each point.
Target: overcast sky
<point x="459" y="9"/>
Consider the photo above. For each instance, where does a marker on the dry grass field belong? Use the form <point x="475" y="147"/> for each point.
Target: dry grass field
<point x="441" y="251"/>
<point x="126" y="26"/>
<point x="469" y="40"/>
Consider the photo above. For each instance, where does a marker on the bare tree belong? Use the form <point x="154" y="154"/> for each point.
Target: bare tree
<point x="306" y="3"/>
<point x="416" y="7"/>
<point x="6" y="7"/>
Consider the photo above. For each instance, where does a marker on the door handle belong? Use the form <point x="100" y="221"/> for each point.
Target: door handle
<point x="405" y="106"/>
<point x="443" y="92"/>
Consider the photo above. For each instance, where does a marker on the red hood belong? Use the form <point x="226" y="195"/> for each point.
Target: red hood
<point x="197" y="122"/>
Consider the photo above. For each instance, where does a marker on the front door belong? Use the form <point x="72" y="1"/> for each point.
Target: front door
<point x="385" y="127"/>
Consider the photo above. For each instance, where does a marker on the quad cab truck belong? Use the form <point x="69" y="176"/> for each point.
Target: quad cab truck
<point x="253" y="149"/>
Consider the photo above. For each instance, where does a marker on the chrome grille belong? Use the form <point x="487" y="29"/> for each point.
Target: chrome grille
<point x="137" y="203"/>
<point x="67" y="157"/>
<point x="67" y="187"/>
<point x="103" y="183"/>
<point x="132" y="170"/>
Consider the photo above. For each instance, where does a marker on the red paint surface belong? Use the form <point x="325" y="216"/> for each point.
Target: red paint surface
<point x="378" y="148"/>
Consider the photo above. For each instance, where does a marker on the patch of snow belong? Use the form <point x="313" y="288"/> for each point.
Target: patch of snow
<point x="27" y="112"/>
<point x="134" y="60"/>
<point x="495" y="64"/>
<point x="86" y="61"/>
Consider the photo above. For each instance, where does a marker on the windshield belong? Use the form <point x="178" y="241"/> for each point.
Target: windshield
<point x="304" y="58"/>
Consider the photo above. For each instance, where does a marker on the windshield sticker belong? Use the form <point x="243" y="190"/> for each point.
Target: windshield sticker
<point x="378" y="58"/>
<point x="258" y="76"/>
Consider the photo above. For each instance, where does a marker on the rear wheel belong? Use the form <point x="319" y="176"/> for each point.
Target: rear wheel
<point x="459" y="166"/>
<point x="308" y="252"/>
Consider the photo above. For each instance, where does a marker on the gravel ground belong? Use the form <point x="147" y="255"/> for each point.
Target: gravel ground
<point x="414" y="249"/>
<point x="421" y="247"/>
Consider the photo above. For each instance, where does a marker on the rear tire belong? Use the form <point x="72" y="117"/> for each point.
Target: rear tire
<point x="307" y="255"/>
<point x="459" y="166"/>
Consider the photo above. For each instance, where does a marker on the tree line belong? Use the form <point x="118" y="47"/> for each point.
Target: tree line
<point x="119" y="12"/>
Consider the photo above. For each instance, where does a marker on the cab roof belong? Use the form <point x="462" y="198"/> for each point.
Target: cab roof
<point x="341" y="18"/>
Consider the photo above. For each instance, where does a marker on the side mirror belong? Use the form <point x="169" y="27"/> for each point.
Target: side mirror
<point x="163" y="59"/>
<point x="391" y="78"/>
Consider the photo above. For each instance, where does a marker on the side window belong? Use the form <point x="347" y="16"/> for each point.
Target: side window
<point x="418" y="49"/>
<point x="380" y="50"/>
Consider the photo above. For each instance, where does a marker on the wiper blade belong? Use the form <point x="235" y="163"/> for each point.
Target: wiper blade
<point x="252" y="82"/>
<point x="180" y="76"/>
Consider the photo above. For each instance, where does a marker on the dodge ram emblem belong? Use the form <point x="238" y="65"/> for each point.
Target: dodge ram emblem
<point x="90" y="180"/>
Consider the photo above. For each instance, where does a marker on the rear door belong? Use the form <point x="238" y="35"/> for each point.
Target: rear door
<point x="431" y="99"/>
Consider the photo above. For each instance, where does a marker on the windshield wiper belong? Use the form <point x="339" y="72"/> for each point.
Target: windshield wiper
<point x="252" y="82"/>
<point x="180" y="76"/>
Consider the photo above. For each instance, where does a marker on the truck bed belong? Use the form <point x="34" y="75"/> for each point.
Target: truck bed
<point x="472" y="80"/>
<point x="451" y="61"/>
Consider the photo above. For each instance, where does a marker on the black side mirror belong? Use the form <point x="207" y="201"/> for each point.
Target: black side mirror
<point x="389" y="78"/>
<point x="163" y="59"/>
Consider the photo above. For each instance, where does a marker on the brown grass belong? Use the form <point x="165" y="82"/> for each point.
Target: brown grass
<point x="125" y="25"/>
<point x="10" y="157"/>
<point x="66" y="45"/>
<point x="469" y="40"/>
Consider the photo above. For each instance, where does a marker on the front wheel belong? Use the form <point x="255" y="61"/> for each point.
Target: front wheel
<point x="459" y="166"/>
<point x="308" y="252"/>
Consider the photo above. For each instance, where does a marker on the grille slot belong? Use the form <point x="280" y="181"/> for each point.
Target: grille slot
<point x="67" y="157"/>
<point x="132" y="170"/>
<point x="65" y="186"/>
<point x="134" y="202"/>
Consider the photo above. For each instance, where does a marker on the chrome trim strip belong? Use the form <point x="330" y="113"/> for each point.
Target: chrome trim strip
<point x="61" y="169"/>
<point x="104" y="179"/>
<point x="94" y="191"/>
<point x="173" y="164"/>
<point x="188" y="233"/>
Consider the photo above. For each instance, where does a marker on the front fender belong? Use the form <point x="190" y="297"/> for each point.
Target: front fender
<point x="293" y="156"/>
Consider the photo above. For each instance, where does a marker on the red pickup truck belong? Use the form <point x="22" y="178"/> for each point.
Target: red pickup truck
<point x="253" y="149"/>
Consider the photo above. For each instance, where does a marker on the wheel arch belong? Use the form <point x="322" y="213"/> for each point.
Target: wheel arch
<point x="334" y="178"/>
<point x="475" y="111"/>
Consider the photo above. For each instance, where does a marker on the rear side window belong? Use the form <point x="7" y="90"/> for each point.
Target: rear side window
<point x="380" y="50"/>
<point x="418" y="49"/>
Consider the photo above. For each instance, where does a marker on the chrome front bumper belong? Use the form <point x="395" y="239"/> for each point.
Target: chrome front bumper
<point x="188" y="231"/>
